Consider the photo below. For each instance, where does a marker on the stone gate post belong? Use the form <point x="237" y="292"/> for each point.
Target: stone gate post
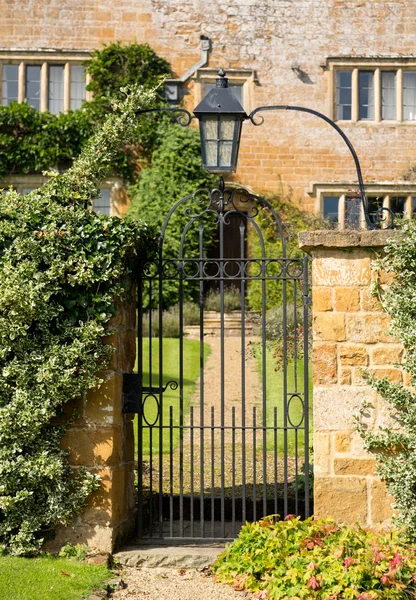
<point x="350" y="333"/>
<point x="101" y="440"/>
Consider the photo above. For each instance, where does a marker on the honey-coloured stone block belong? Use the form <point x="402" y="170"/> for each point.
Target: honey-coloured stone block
<point x="367" y="328"/>
<point x="92" y="447"/>
<point x="321" y="452"/>
<point x="381" y="501"/>
<point x="387" y="355"/>
<point x="351" y="355"/>
<point x="342" y="441"/>
<point x="347" y="299"/>
<point x="369" y="302"/>
<point x="354" y="466"/>
<point x="394" y="375"/>
<point x="324" y="364"/>
<point x="321" y="299"/>
<point x="345" y="376"/>
<point x="103" y="404"/>
<point x="329" y="327"/>
<point x="341" y="270"/>
<point x="127" y="350"/>
<point x="343" y="498"/>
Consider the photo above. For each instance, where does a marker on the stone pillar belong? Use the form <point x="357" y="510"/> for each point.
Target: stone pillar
<point x="350" y="333"/>
<point x="101" y="440"/>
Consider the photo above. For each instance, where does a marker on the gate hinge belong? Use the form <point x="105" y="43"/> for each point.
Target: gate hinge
<point x="307" y="301"/>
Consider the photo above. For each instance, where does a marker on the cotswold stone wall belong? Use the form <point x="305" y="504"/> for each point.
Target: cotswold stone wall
<point x="350" y="333"/>
<point x="101" y="440"/>
<point x="265" y="36"/>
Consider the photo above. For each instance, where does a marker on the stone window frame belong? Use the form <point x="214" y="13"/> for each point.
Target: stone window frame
<point x="376" y="64"/>
<point x="247" y="78"/>
<point x="44" y="58"/>
<point x="22" y="183"/>
<point x="384" y="190"/>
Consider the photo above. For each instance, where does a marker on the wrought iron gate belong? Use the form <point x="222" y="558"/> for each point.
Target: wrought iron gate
<point x="232" y="447"/>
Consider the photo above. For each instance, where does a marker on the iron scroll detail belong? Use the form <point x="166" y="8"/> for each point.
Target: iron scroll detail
<point x="384" y="215"/>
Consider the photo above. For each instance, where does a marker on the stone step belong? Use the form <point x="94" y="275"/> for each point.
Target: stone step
<point x="168" y="555"/>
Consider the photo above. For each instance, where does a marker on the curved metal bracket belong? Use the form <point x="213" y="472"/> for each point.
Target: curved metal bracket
<point x="378" y="216"/>
<point x="184" y="119"/>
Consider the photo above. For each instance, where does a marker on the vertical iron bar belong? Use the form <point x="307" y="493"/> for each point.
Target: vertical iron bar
<point x="295" y="338"/>
<point x="171" y="471"/>
<point x="181" y="416"/>
<point x="243" y="372"/>
<point x="192" y="471"/>
<point x="140" y="407"/>
<point x="254" y="465"/>
<point x="233" y="469"/>
<point x="150" y="335"/>
<point x="160" y="422"/>
<point x="306" y="378"/>
<point x="222" y="367"/>
<point x="264" y="381"/>
<point x="285" y="421"/>
<point x="212" y="474"/>
<point x="201" y="375"/>
<point x="296" y="471"/>
<point x="151" y="479"/>
<point x="275" y="457"/>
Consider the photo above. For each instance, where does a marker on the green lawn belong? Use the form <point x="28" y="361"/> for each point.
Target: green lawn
<point x="48" y="578"/>
<point x="170" y="397"/>
<point x="275" y="399"/>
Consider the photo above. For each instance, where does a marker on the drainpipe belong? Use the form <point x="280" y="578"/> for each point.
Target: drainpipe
<point x="173" y="86"/>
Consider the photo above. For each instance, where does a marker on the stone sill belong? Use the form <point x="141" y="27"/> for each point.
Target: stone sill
<point x="311" y="240"/>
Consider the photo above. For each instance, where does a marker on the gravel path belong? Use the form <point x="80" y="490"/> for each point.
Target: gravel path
<point x="174" y="584"/>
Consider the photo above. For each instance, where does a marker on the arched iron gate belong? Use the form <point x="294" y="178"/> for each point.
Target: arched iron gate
<point x="210" y="459"/>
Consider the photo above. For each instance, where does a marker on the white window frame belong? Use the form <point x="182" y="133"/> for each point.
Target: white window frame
<point x="384" y="190"/>
<point x="44" y="59"/>
<point x="247" y="78"/>
<point x="118" y="197"/>
<point x="399" y="64"/>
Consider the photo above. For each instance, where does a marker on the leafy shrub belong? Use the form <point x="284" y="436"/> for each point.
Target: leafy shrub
<point x="395" y="446"/>
<point x="170" y="320"/>
<point x="316" y="558"/>
<point x="61" y="269"/>
<point x="175" y="172"/>
<point x="231" y="296"/>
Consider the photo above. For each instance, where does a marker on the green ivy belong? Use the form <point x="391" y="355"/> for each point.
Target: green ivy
<point x="61" y="269"/>
<point x="316" y="558"/>
<point x="395" y="446"/>
<point x="32" y="141"/>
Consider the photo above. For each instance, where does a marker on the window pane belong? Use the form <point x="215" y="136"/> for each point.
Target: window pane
<point x="366" y="95"/>
<point x="33" y="85"/>
<point x="56" y="89"/>
<point x="409" y="95"/>
<point x="102" y="204"/>
<point x="211" y="128"/>
<point x="225" y="153"/>
<point x="344" y="95"/>
<point x="77" y="86"/>
<point x="212" y="154"/>
<point x="388" y="95"/>
<point x="398" y="204"/>
<point x="353" y="212"/>
<point x="10" y="84"/>
<point x="331" y="208"/>
<point x="227" y="128"/>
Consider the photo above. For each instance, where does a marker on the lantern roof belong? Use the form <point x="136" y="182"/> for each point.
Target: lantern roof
<point x="220" y="100"/>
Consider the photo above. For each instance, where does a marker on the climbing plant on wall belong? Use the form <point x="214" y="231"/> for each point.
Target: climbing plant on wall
<point x="61" y="269"/>
<point x="395" y="446"/>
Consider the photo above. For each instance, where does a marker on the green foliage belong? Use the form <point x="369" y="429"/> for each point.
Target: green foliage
<point x="293" y="219"/>
<point x="231" y="299"/>
<point x="61" y="269"/>
<point x="32" y="142"/>
<point x="49" y="578"/>
<point x="316" y="558"/>
<point x="395" y="446"/>
<point x="79" y="551"/>
<point x="174" y="173"/>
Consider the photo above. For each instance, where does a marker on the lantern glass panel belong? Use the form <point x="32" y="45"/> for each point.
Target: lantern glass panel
<point x="226" y="150"/>
<point x="227" y="128"/>
<point x="212" y="154"/>
<point x="211" y="128"/>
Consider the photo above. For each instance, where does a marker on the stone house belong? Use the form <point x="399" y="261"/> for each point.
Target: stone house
<point x="352" y="61"/>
